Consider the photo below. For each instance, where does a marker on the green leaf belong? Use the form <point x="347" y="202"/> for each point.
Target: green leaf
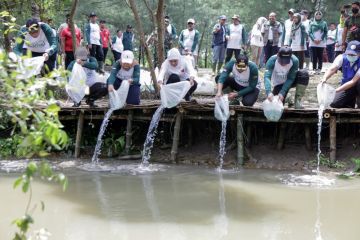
<point x="53" y="108"/>
<point x="31" y="169"/>
<point x="17" y="182"/>
<point x="25" y="186"/>
<point x="43" y="153"/>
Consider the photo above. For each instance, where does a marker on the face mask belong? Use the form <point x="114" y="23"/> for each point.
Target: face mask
<point x="352" y="59"/>
<point x="355" y="10"/>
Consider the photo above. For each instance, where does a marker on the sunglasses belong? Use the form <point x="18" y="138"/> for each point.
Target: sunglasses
<point x="241" y="66"/>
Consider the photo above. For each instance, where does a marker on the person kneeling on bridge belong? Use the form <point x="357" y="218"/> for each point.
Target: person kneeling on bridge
<point x="126" y="69"/>
<point x="175" y="69"/>
<point x="350" y="85"/>
<point x="89" y="64"/>
<point x="282" y="72"/>
<point x="244" y="80"/>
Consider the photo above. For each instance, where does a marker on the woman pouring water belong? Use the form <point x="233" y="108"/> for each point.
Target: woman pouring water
<point x="126" y="69"/>
<point x="350" y="85"/>
<point x="175" y="69"/>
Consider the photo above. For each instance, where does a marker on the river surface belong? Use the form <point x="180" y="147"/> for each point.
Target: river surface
<point x="168" y="202"/>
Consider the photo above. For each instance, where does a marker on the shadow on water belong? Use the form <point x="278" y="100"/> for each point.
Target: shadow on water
<point x="191" y="197"/>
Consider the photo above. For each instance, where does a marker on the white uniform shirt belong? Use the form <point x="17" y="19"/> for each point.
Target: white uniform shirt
<point x="118" y="45"/>
<point x="338" y="47"/>
<point x="39" y="44"/>
<point x="235" y="38"/>
<point x="188" y="41"/>
<point x="280" y="73"/>
<point x="288" y="24"/>
<point x="125" y="74"/>
<point x="296" y="41"/>
<point x="317" y="36"/>
<point x="184" y="70"/>
<point x="331" y="34"/>
<point x="94" y="34"/>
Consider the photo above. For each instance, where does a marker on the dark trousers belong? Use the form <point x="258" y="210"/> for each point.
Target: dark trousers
<point x="248" y="99"/>
<point x="330" y="50"/>
<point x="50" y="63"/>
<point x="117" y="55"/>
<point x="300" y="56"/>
<point x="230" y="52"/>
<point x="302" y="77"/>
<point x="69" y="57"/>
<point x="97" y="90"/>
<point x="317" y="57"/>
<point x="134" y="92"/>
<point x="347" y="98"/>
<point x="173" y="78"/>
<point x="270" y="50"/>
<point x="307" y="51"/>
<point x="96" y="51"/>
<point x="105" y="51"/>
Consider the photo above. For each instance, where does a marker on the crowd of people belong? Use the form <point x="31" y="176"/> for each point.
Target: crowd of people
<point x="285" y="49"/>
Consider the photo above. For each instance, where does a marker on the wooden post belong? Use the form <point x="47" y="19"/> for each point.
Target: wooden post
<point x="308" y="137"/>
<point x="80" y="126"/>
<point x="129" y="131"/>
<point x="333" y="138"/>
<point x="281" y="140"/>
<point x="190" y="134"/>
<point x="249" y="134"/>
<point x="176" y="138"/>
<point x="240" y="140"/>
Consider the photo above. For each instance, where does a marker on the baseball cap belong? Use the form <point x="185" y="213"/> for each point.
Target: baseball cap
<point x="353" y="47"/>
<point x="81" y="53"/>
<point x="173" y="54"/>
<point x="222" y="17"/>
<point x="291" y="10"/>
<point x="191" y="20"/>
<point x="236" y="17"/>
<point x="242" y="62"/>
<point x="93" y="14"/>
<point x="304" y="12"/>
<point x="129" y="26"/>
<point x="127" y="57"/>
<point x="284" y="55"/>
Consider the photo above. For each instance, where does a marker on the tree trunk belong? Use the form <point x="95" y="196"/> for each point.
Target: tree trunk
<point x="132" y="6"/>
<point x="35" y="10"/>
<point x="160" y="31"/>
<point x="201" y="39"/>
<point x="72" y="25"/>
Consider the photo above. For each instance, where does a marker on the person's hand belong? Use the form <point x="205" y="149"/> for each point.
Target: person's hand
<point x="323" y="80"/>
<point x="130" y="81"/>
<point x="218" y="95"/>
<point x="89" y="46"/>
<point x="232" y="95"/>
<point x="46" y="56"/>
<point x="79" y="61"/>
<point x="191" y="81"/>
<point x="270" y="97"/>
<point x="317" y="42"/>
<point x="343" y="47"/>
<point x="111" y="88"/>
<point x="281" y="97"/>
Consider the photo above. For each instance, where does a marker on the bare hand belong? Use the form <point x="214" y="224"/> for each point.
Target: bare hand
<point x="79" y="61"/>
<point x="89" y="46"/>
<point x="130" y="81"/>
<point x="232" y="95"/>
<point x="270" y="97"/>
<point x="281" y="98"/>
<point x="192" y="81"/>
<point x="46" y="56"/>
<point x="218" y="95"/>
<point x="111" y="88"/>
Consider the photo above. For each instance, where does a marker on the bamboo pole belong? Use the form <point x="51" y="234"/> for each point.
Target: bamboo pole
<point x="249" y="134"/>
<point x="308" y="137"/>
<point x="129" y="131"/>
<point x="333" y="138"/>
<point x="80" y="126"/>
<point x="240" y="140"/>
<point x="176" y="138"/>
<point x="281" y="140"/>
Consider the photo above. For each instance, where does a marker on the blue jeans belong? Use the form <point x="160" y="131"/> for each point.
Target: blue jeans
<point x="330" y="50"/>
<point x="219" y="53"/>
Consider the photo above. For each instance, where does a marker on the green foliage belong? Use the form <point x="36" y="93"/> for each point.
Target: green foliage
<point x="114" y="145"/>
<point x="33" y="169"/>
<point x="357" y="164"/>
<point x="325" y="161"/>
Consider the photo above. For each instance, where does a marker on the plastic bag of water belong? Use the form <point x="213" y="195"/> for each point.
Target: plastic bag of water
<point x="325" y="94"/>
<point x="30" y="67"/>
<point x="221" y="110"/>
<point x="118" y="98"/>
<point x="171" y="94"/>
<point x="273" y="110"/>
<point x="77" y="84"/>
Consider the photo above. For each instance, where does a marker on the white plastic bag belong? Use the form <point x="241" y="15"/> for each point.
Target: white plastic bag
<point x="273" y="110"/>
<point x="30" y="67"/>
<point x="117" y="99"/>
<point x="171" y="94"/>
<point x="77" y="84"/>
<point x="325" y="94"/>
<point x="221" y="110"/>
<point x="205" y="85"/>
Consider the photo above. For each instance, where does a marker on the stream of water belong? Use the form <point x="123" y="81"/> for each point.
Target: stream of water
<point x="222" y="144"/>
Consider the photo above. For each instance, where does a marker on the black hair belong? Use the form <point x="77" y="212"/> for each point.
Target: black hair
<point x="102" y="21"/>
<point x="356" y="3"/>
<point x="34" y="22"/>
<point x="242" y="58"/>
<point x="119" y="30"/>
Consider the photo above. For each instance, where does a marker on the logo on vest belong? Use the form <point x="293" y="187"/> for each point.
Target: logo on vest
<point x="38" y="44"/>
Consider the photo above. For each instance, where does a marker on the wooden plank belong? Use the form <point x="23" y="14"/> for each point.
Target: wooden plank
<point x="240" y="139"/>
<point x="282" y="134"/>
<point x="333" y="138"/>
<point x="176" y="138"/>
<point x="80" y="126"/>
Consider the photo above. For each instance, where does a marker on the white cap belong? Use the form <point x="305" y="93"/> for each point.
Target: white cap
<point x="173" y="54"/>
<point x="191" y="20"/>
<point x="127" y="56"/>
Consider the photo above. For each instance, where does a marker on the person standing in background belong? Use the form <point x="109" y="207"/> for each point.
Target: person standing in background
<point x="105" y="38"/>
<point x="219" y="45"/>
<point x="271" y="31"/>
<point x="170" y="34"/>
<point x="306" y="23"/>
<point x="352" y="26"/>
<point x="128" y="38"/>
<point x="330" y="42"/>
<point x="288" y="25"/>
<point x="189" y="40"/>
<point x="318" y="35"/>
<point x="93" y="39"/>
<point x="298" y="39"/>
<point x="339" y="31"/>
<point x="117" y="45"/>
<point x="257" y="41"/>
<point x="236" y="38"/>
<point x="67" y="45"/>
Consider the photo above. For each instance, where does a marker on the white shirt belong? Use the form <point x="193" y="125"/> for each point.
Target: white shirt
<point x="306" y="24"/>
<point x="256" y="37"/>
<point x="235" y="38"/>
<point x="288" y="24"/>
<point x="280" y="73"/>
<point x="296" y="41"/>
<point x="39" y="44"/>
<point x="318" y="35"/>
<point x="331" y="34"/>
<point x="118" y="45"/>
<point x="94" y="34"/>
<point x="188" y="41"/>
<point x="125" y="74"/>
<point x="338" y="47"/>
<point x="90" y="76"/>
<point x="338" y="62"/>
<point x="184" y="70"/>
